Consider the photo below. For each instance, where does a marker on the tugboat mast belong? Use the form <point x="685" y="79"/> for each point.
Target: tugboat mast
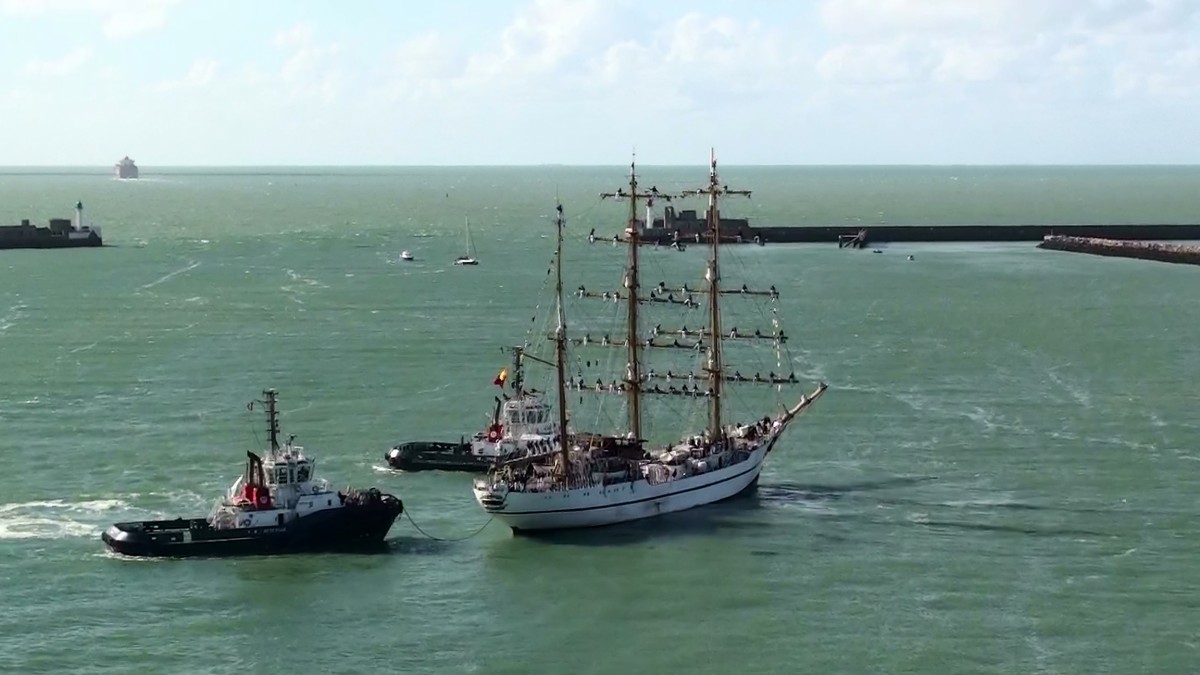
<point x="272" y="419"/>
<point x="560" y="345"/>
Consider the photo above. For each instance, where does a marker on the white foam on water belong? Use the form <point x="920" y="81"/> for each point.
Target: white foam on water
<point x="296" y="276"/>
<point x="1079" y="394"/>
<point x="55" y="518"/>
<point x="166" y="277"/>
<point x="10" y="316"/>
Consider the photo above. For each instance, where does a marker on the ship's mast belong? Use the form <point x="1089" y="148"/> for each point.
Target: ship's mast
<point x="633" y="371"/>
<point x="272" y="419"/>
<point x="560" y="345"/>
<point x="715" y="368"/>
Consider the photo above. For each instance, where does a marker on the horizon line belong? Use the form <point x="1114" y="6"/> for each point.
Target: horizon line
<point x="108" y="167"/>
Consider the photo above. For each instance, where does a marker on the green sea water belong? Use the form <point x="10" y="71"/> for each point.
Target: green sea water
<point x="1000" y="479"/>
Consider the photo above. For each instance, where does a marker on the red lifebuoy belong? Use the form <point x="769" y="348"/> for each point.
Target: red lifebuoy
<point x="493" y="433"/>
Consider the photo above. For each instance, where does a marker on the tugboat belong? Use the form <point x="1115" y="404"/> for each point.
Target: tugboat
<point x="521" y="424"/>
<point x="276" y="506"/>
<point x="436" y="455"/>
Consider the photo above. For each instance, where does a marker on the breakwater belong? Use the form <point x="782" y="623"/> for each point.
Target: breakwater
<point x="740" y="231"/>
<point x="863" y="236"/>
<point x="1144" y="250"/>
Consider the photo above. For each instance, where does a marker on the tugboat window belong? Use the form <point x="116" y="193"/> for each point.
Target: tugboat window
<point x="281" y="475"/>
<point x="302" y="473"/>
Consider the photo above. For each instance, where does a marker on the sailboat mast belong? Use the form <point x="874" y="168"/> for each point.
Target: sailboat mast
<point x="633" y="371"/>
<point x="716" y="371"/>
<point x="632" y="286"/>
<point x="715" y="366"/>
<point x="560" y="344"/>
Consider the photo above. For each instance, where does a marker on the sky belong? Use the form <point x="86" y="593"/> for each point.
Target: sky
<point x="587" y="82"/>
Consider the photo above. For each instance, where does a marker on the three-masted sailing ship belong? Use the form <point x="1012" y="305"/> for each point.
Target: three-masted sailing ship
<point x="591" y="479"/>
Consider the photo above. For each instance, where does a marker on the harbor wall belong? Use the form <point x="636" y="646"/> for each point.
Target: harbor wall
<point x="1143" y="250"/>
<point x="739" y="231"/>
<point x="972" y="233"/>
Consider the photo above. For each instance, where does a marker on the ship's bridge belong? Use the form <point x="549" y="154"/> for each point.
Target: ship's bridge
<point x="290" y="475"/>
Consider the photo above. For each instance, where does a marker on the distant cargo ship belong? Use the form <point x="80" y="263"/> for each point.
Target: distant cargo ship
<point x="62" y="233"/>
<point x="125" y="168"/>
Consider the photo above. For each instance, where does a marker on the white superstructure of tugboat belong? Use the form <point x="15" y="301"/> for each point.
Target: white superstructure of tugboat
<point x="277" y="505"/>
<point x="597" y="479"/>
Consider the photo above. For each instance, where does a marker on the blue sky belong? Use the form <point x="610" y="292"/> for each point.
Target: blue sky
<point x="374" y="82"/>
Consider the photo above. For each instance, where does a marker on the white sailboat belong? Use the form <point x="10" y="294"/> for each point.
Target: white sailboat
<point x="599" y="479"/>
<point x="469" y="258"/>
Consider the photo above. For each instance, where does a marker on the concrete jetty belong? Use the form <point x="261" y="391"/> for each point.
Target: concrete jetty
<point x="690" y="227"/>
<point x="1144" y="250"/>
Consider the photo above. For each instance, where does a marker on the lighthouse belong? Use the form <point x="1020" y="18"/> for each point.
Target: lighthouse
<point x="79" y="215"/>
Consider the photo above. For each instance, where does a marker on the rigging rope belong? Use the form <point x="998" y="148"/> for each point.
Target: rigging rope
<point x="408" y="515"/>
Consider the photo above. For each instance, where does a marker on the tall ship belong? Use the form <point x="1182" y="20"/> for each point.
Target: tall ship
<point x="125" y="168"/>
<point x="587" y="479"/>
<point x="62" y="233"/>
<point x="277" y="505"/>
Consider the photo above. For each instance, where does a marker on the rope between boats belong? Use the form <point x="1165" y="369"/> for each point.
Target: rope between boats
<point x="476" y="532"/>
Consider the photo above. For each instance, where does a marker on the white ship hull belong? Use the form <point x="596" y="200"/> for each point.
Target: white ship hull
<point x="607" y="505"/>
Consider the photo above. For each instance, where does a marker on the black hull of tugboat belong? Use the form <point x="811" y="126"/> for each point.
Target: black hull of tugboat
<point x="348" y="529"/>
<point x="433" y="456"/>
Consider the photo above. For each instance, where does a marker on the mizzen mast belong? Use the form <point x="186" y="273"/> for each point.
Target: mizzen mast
<point x="715" y="366"/>
<point x="633" y="369"/>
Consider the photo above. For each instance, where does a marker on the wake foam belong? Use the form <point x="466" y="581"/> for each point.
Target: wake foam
<point x="56" y="518"/>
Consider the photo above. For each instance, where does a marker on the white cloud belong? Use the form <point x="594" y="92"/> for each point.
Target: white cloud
<point x="119" y="19"/>
<point x="126" y="24"/>
<point x="64" y="65"/>
<point x="886" y="63"/>
<point x="541" y="38"/>
<point x="575" y="52"/>
<point x="312" y="70"/>
<point x="201" y="73"/>
<point x="1042" y="46"/>
<point x="299" y="34"/>
<point x="428" y="56"/>
<point x="973" y="61"/>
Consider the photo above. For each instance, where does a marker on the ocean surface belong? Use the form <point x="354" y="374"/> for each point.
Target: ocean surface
<point x="1001" y="478"/>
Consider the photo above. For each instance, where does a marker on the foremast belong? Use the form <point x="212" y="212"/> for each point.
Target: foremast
<point x="715" y="366"/>
<point x="632" y="282"/>
<point x="560" y="344"/>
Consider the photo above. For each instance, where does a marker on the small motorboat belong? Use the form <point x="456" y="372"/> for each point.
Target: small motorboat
<point x="405" y="255"/>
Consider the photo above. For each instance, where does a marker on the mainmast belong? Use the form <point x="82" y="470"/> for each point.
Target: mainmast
<point x="560" y="345"/>
<point x="633" y="370"/>
<point x="272" y="419"/>
<point x="715" y="367"/>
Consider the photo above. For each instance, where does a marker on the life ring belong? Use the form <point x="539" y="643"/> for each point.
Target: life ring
<point x="493" y="434"/>
<point x="316" y="489"/>
<point x="245" y="522"/>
